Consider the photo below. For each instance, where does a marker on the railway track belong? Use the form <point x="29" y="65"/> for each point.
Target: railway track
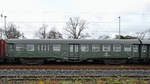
<point x="76" y="70"/>
<point x="76" y="67"/>
<point x="19" y="73"/>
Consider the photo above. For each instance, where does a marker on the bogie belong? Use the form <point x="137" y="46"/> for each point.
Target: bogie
<point x="31" y="61"/>
<point x="114" y="61"/>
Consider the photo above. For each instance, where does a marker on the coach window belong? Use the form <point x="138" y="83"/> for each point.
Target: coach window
<point x="19" y="47"/>
<point x="11" y="47"/>
<point x="76" y="48"/>
<point x="127" y="48"/>
<point x="39" y="47"/>
<point x="71" y="48"/>
<point x="117" y="48"/>
<point x="106" y="47"/>
<point x="84" y="48"/>
<point x="44" y="47"/>
<point x="48" y="47"/>
<point x="95" y="48"/>
<point x="135" y="48"/>
<point x="143" y="48"/>
<point x="30" y="47"/>
<point x="56" y="47"/>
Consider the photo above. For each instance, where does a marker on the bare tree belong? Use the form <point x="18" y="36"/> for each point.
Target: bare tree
<point x="11" y="32"/>
<point x="141" y="35"/>
<point x="53" y="34"/>
<point x="22" y="36"/>
<point x="42" y="32"/>
<point x="1" y="33"/>
<point x="75" y="28"/>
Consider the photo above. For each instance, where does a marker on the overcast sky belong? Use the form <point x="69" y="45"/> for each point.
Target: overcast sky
<point x="102" y="15"/>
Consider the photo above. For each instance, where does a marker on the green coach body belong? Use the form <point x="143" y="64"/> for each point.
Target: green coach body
<point x="74" y="49"/>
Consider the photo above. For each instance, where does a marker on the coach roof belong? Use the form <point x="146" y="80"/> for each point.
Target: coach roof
<point x="74" y="41"/>
<point x="146" y="42"/>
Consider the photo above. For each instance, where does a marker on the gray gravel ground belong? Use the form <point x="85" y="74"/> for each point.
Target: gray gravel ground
<point x="139" y="73"/>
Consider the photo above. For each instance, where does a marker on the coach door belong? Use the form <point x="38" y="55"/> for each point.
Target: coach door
<point x="135" y="50"/>
<point x="74" y="51"/>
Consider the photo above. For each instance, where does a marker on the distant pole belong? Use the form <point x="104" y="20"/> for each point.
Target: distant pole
<point x="119" y="26"/>
<point x="1" y="33"/>
<point x="1" y="16"/>
<point x="5" y="25"/>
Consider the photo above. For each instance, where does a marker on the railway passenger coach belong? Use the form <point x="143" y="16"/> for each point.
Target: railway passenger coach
<point x="30" y="51"/>
<point x="3" y="50"/>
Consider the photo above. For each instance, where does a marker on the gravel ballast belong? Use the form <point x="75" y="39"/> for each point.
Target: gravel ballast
<point x="139" y="73"/>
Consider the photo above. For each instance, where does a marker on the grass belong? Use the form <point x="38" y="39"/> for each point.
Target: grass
<point x="78" y="80"/>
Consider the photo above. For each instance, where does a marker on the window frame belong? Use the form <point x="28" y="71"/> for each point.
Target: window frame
<point x="70" y="48"/>
<point x="127" y="48"/>
<point x="135" y="47"/>
<point x="84" y="48"/>
<point x="19" y="47"/>
<point x="144" y="48"/>
<point x="30" y="50"/>
<point x="108" y="47"/>
<point x="10" y="47"/>
<point x="95" y="48"/>
<point x="43" y="47"/>
<point x="48" y="47"/>
<point x="55" y="46"/>
<point x="116" y="47"/>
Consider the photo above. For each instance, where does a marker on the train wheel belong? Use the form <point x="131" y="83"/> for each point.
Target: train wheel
<point x="32" y="61"/>
<point x="90" y="60"/>
<point x="58" y="60"/>
<point x="116" y="62"/>
<point x="2" y="60"/>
